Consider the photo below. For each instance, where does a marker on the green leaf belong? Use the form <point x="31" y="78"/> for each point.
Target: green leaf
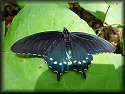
<point x="100" y="76"/>
<point x="40" y="17"/>
<point x="21" y="73"/>
<point x="3" y="32"/>
<point x="115" y="14"/>
<point x="117" y="59"/>
<point x="31" y="73"/>
<point x="111" y="2"/>
<point x="98" y="9"/>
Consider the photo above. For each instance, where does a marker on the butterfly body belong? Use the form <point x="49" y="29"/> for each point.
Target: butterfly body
<point x="63" y="51"/>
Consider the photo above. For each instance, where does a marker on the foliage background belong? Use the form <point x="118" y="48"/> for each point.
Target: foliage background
<point x="30" y="73"/>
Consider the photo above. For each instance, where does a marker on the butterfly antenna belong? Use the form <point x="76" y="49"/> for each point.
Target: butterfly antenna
<point x="58" y="76"/>
<point x="70" y="24"/>
<point x="84" y="74"/>
<point x="106" y="14"/>
<point x="59" y="25"/>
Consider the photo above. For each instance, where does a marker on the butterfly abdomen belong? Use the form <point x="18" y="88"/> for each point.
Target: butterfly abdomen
<point x="67" y="41"/>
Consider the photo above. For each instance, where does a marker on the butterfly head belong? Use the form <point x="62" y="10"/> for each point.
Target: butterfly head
<point x="65" y="30"/>
<point x="65" y="33"/>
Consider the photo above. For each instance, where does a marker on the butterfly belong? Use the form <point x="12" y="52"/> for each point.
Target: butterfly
<point x="63" y="51"/>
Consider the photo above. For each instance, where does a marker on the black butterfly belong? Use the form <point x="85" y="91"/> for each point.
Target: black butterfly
<point x="63" y="51"/>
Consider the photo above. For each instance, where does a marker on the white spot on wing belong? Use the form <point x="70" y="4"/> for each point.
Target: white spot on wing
<point x="75" y="61"/>
<point x="75" y="69"/>
<point x="88" y="54"/>
<point x="51" y="59"/>
<point x="79" y="62"/>
<point x="69" y="52"/>
<point x="81" y="71"/>
<point x="60" y="63"/>
<point x="87" y="58"/>
<point x="45" y="61"/>
<point x="50" y="67"/>
<point x="55" y="62"/>
<point x="32" y="54"/>
<point x="56" y="71"/>
<point x="40" y="55"/>
<point x="69" y="63"/>
<point x="61" y="73"/>
<point x="85" y="69"/>
<point x="84" y="61"/>
<point x="64" y="62"/>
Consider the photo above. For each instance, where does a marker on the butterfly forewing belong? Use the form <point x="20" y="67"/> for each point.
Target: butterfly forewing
<point x="93" y="44"/>
<point x="38" y="44"/>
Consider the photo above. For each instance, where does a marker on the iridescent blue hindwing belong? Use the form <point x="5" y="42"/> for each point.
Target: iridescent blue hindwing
<point x="57" y="59"/>
<point x="60" y="60"/>
<point x="80" y="57"/>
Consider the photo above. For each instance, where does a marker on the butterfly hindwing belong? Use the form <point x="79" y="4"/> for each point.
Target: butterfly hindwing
<point x="57" y="59"/>
<point x="81" y="59"/>
<point x="61" y="61"/>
